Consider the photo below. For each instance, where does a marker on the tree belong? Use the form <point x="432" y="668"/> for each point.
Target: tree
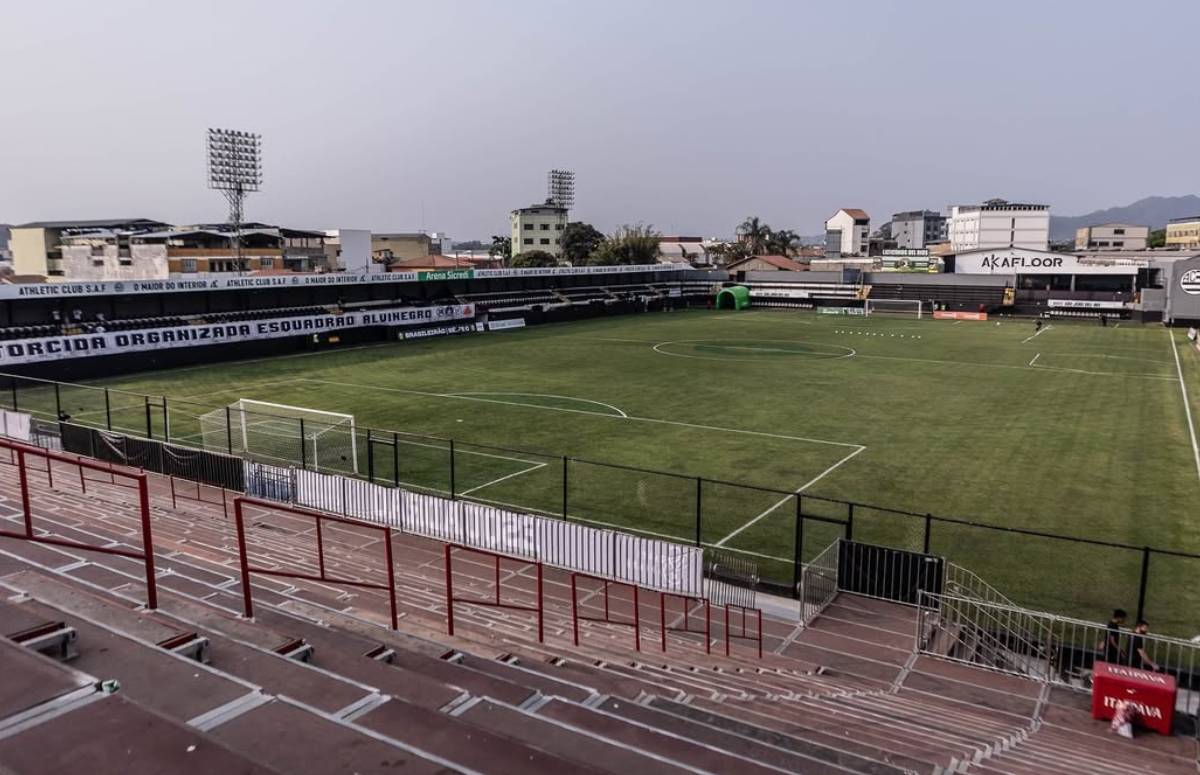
<point x="580" y="240"/>
<point x="502" y="247"/>
<point x="783" y="242"/>
<point x="1158" y="239"/>
<point x="628" y="245"/>
<point x="754" y="233"/>
<point x="530" y="258"/>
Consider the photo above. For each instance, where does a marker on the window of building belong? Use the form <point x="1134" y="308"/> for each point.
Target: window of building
<point x="527" y="241"/>
<point x="1118" y="243"/>
<point x="557" y="242"/>
<point x="545" y="227"/>
<point x="558" y="227"/>
<point x="529" y="227"/>
<point x="1118" y="231"/>
<point x="97" y="262"/>
<point x="266" y="263"/>
<point x="125" y="261"/>
<point x="545" y="240"/>
<point x="187" y="265"/>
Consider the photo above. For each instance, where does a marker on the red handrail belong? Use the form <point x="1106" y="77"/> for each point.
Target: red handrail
<point x="319" y="518"/>
<point x="687" y="599"/>
<point x="21" y="451"/>
<point x="743" y="636"/>
<point x="177" y="494"/>
<point x="636" y="624"/>
<point x="539" y="609"/>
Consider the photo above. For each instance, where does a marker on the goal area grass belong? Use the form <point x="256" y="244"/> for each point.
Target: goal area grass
<point x="1072" y="429"/>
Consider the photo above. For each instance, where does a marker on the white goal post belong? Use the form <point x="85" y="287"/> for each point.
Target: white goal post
<point x="894" y="307"/>
<point x="283" y="434"/>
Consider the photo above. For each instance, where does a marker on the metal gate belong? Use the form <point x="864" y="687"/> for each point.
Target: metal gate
<point x="890" y="574"/>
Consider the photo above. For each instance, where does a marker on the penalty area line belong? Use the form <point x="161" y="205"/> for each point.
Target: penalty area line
<point x="1187" y="407"/>
<point x="531" y="469"/>
<point x="787" y="498"/>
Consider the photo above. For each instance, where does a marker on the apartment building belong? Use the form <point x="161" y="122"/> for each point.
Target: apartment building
<point x="538" y="227"/>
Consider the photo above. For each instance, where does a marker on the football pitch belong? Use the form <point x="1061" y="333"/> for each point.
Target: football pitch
<point x="1076" y="430"/>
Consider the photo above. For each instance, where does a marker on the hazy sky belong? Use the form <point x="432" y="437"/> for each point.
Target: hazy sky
<point x="686" y="115"/>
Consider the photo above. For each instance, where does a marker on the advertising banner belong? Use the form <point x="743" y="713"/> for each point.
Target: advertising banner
<point x="116" y="342"/>
<point x="942" y="314"/>
<point x="1082" y="304"/>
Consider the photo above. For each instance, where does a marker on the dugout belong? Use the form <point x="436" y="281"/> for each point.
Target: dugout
<point x="735" y="297"/>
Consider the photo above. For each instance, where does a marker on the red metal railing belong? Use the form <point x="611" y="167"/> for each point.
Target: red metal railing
<point x="539" y="609"/>
<point x="743" y="636"/>
<point x="21" y="453"/>
<point x="687" y="601"/>
<point x="184" y="493"/>
<point x="576" y="617"/>
<point x="319" y="518"/>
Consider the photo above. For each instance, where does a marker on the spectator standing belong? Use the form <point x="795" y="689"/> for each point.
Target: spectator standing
<point x="1112" y="638"/>
<point x="1138" y="656"/>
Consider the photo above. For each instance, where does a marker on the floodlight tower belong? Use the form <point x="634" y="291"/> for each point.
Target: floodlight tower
<point x="235" y="169"/>
<point x="560" y="188"/>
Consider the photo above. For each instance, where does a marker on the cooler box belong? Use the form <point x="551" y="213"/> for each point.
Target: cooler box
<point x="1153" y="694"/>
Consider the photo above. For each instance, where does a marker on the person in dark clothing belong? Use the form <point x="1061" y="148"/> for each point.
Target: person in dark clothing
<point x="1139" y="657"/>
<point x="1037" y="325"/>
<point x="1112" y="638"/>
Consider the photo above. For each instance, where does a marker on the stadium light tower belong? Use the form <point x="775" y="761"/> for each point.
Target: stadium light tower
<point x="235" y="169"/>
<point x="560" y="188"/>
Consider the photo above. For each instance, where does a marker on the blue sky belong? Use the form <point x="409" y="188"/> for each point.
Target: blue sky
<point x="685" y="115"/>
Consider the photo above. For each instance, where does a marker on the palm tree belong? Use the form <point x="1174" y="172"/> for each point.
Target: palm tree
<point x="754" y="233"/>
<point x="783" y="242"/>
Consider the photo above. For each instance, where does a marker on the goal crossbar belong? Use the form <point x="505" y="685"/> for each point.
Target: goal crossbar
<point x="874" y="306"/>
<point x="259" y="428"/>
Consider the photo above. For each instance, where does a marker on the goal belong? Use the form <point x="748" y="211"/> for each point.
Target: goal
<point x="908" y="307"/>
<point x="283" y="435"/>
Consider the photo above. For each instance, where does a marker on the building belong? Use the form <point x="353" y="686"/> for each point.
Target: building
<point x="918" y="229"/>
<point x="998" y="223"/>
<point x="390" y="247"/>
<point x="687" y="250"/>
<point x="538" y="227"/>
<point x="1112" y="236"/>
<point x="1183" y="232"/>
<point x="37" y="247"/>
<point x="431" y="264"/>
<point x="766" y="264"/>
<point x="349" y="250"/>
<point x="847" y="232"/>
<point x="5" y="255"/>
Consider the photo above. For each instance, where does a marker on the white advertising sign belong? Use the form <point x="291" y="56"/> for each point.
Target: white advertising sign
<point x="1189" y="282"/>
<point x="1014" y="261"/>
<point x="778" y="293"/>
<point x="117" y="342"/>
<point x="1081" y="304"/>
<point x="504" y="325"/>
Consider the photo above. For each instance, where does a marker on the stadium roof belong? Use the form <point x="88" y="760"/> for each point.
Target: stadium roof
<point x="110" y="223"/>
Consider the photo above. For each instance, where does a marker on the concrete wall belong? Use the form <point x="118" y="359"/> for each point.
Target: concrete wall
<point x="140" y="262"/>
<point x="29" y="248"/>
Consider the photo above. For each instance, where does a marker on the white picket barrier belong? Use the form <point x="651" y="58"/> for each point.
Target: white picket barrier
<point x="15" y="425"/>
<point x="649" y="563"/>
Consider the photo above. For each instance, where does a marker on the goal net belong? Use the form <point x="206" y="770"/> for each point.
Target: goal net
<point x="905" y="307"/>
<point x="283" y="435"/>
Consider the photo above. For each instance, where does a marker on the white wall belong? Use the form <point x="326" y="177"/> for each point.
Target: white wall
<point x="143" y="262"/>
<point x="355" y="247"/>
<point x="854" y="238"/>
<point x="976" y="229"/>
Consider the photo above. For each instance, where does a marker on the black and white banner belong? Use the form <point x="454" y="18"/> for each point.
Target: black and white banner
<point x="1084" y="304"/>
<point x="116" y="342"/>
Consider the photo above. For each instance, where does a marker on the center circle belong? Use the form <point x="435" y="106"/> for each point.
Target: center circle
<point x="752" y="349"/>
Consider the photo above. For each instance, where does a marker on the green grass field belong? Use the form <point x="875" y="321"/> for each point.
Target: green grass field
<point x="1080" y="430"/>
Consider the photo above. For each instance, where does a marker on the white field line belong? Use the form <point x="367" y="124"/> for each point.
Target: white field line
<point x="1010" y="366"/>
<point x="1036" y="334"/>
<point x="542" y="395"/>
<point x="1187" y="407"/>
<point x="787" y="498"/>
<point x="531" y="468"/>
<point x="1033" y="360"/>
<point x="631" y="418"/>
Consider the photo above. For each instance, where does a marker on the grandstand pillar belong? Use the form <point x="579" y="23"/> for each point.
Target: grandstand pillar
<point x="798" y="548"/>
<point x="1142" y="584"/>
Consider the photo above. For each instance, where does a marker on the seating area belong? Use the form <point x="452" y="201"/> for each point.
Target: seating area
<point x="964" y="297"/>
<point x="318" y="682"/>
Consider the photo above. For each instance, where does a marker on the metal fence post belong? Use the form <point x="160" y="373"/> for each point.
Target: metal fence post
<point x="1145" y="578"/>
<point x="798" y="549"/>
<point x="14" y="393"/>
<point x="699" y="490"/>
<point x="928" y="529"/>
<point x="370" y="458"/>
<point x="395" y="460"/>
<point x="107" y="408"/>
<point x="149" y="422"/>
<point x="850" y="522"/>
<point x="565" y="487"/>
<point x="303" y="446"/>
<point x="228" y="430"/>
<point x="451" y="469"/>
<point x="57" y="401"/>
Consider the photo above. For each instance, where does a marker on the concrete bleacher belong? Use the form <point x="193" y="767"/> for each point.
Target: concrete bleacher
<point x="316" y="682"/>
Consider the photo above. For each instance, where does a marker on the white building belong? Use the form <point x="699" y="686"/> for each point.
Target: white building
<point x="999" y="224"/>
<point x="847" y="231"/>
<point x="539" y="227"/>
<point x="350" y="251"/>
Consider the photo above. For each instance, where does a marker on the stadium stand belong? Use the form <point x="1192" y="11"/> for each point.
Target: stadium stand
<point x="316" y="682"/>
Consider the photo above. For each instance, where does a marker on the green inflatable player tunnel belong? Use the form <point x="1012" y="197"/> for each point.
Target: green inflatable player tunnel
<point x="737" y="297"/>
